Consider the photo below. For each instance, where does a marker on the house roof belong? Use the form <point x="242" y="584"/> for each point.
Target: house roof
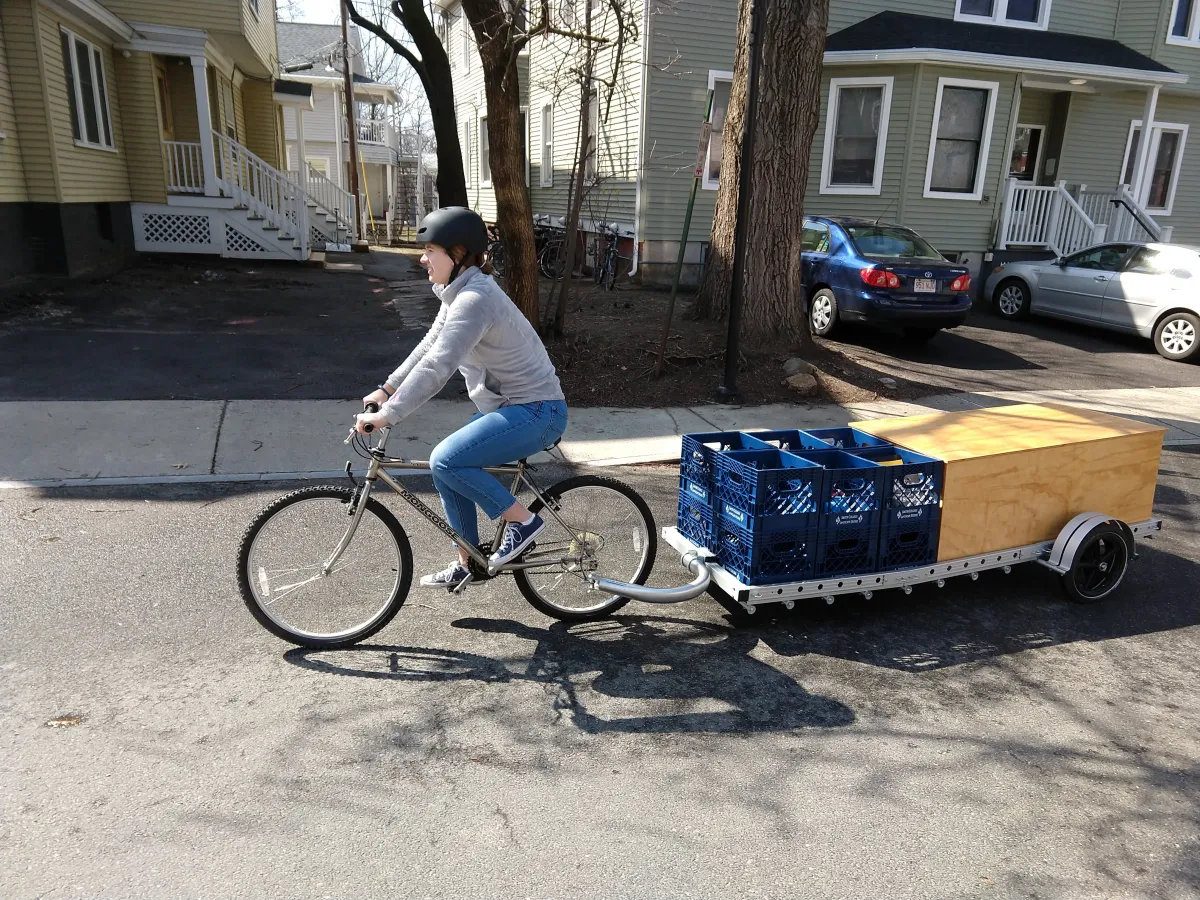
<point x="301" y="42"/>
<point x="890" y="35"/>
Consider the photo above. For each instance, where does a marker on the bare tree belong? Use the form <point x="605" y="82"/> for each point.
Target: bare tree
<point x="428" y="59"/>
<point x="793" y="45"/>
<point x="289" y="10"/>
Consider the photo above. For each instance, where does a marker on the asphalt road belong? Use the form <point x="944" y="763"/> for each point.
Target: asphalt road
<point x="985" y="740"/>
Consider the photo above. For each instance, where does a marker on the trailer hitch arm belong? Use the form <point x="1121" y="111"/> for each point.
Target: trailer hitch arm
<point x="692" y="561"/>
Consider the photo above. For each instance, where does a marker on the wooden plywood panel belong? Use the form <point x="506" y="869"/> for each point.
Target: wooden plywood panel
<point x="1016" y="475"/>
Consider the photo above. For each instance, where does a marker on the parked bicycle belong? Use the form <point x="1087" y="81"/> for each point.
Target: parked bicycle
<point x="326" y="567"/>
<point x="495" y="252"/>
<point x="608" y="260"/>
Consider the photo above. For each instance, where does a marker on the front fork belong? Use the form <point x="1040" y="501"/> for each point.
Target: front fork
<point x="358" y="503"/>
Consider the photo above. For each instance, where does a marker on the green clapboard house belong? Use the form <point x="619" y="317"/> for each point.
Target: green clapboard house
<point x="995" y="128"/>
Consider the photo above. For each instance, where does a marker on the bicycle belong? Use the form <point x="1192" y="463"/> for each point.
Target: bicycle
<point x="345" y="580"/>
<point x="605" y="272"/>
<point x="495" y="252"/>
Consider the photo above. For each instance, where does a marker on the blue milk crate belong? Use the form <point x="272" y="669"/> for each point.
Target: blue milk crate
<point x="911" y="480"/>
<point x="909" y="538"/>
<point x="791" y="440"/>
<point x="699" y="451"/>
<point x="850" y="503"/>
<point x="770" y="558"/>
<point x="767" y="490"/>
<point x="850" y="439"/>
<point x="695" y="522"/>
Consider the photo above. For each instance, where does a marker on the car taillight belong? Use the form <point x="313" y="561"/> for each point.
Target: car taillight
<point x="879" y="278"/>
<point x="961" y="283"/>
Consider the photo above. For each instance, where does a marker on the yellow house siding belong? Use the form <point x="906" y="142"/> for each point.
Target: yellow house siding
<point x="143" y="146"/>
<point x="239" y="111"/>
<point x="12" y="175"/>
<point x="23" y="44"/>
<point x="211" y="15"/>
<point x="85" y="174"/>
<point x="258" y="100"/>
<point x="260" y="31"/>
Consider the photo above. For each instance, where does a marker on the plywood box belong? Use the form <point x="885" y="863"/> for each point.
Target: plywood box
<point x="1015" y="475"/>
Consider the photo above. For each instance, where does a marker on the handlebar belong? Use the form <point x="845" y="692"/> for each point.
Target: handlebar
<point x="371" y="408"/>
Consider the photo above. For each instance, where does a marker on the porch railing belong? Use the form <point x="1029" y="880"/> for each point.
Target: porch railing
<point x="374" y="131"/>
<point x="1126" y="219"/>
<point x="185" y="167"/>
<point x="1046" y="217"/>
<point x="329" y="197"/>
<point x="262" y="189"/>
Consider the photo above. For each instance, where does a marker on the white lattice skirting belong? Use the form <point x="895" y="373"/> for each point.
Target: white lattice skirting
<point x="159" y="228"/>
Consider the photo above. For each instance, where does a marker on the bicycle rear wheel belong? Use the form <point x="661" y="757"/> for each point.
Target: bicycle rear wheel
<point x="281" y="564"/>
<point x="611" y="533"/>
<point x="553" y="259"/>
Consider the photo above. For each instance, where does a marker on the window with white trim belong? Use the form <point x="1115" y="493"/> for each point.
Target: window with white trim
<point x="485" y="162"/>
<point x="1185" y="23"/>
<point x="1167" y="141"/>
<point x="566" y="12"/>
<point x="87" y="92"/>
<point x="464" y="140"/>
<point x="856" y="126"/>
<point x="254" y="8"/>
<point x="591" y="168"/>
<point x="525" y="141"/>
<point x="1015" y="13"/>
<point x="962" y="134"/>
<point x="721" y="84"/>
<point x="466" y="43"/>
<point x="547" y="173"/>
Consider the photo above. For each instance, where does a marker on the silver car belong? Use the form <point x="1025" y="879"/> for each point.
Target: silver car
<point x="1147" y="289"/>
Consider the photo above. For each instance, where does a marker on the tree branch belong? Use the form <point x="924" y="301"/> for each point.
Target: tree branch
<point x="380" y="32"/>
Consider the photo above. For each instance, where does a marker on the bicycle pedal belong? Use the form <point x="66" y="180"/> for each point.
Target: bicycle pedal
<point x="462" y="585"/>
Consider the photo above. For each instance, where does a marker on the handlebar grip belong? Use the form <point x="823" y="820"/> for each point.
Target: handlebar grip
<point x="371" y="408"/>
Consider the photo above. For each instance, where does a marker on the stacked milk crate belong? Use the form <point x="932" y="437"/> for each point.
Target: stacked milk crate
<point x="783" y="506"/>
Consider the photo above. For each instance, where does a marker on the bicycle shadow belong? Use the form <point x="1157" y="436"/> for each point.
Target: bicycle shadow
<point x="680" y="675"/>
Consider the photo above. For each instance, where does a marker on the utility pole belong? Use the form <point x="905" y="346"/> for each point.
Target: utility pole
<point x="352" y="130"/>
<point x="728" y="391"/>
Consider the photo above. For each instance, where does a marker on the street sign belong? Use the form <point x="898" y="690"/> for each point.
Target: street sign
<point x="702" y="149"/>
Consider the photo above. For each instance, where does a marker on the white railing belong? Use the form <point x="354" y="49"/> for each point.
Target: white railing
<point x="1127" y="220"/>
<point x="185" y="167"/>
<point x="1045" y="217"/>
<point x="372" y="131"/>
<point x="262" y="189"/>
<point x="329" y="197"/>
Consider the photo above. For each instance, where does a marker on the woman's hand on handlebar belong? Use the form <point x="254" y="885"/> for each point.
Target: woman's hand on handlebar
<point x="378" y="397"/>
<point x="365" y="423"/>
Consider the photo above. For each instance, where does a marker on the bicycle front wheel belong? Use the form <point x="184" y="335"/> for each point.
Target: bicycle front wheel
<point x="293" y="592"/>
<point x="595" y="525"/>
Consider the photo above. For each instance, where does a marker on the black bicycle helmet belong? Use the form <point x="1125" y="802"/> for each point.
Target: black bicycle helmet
<point x="453" y="225"/>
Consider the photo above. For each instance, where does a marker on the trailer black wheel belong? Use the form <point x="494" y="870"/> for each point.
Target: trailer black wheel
<point x="1099" y="565"/>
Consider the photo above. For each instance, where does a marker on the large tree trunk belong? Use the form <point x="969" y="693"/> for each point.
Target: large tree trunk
<point x="789" y="91"/>
<point x="433" y="68"/>
<point x="557" y="325"/>
<point x="514" y="213"/>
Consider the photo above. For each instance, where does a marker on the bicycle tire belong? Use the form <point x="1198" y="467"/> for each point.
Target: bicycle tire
<point x="634" y="570"/>
<point x="390" y="606"/>
<point x="552" y="260"/>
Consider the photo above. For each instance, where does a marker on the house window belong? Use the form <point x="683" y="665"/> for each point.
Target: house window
<point x="591" y="168"/>
<point x="721" y="84"/>
<point x="547" y="174"/>
<point x="442" y="28"/>
<point x="525" y="142"/>
<point x="1185" y="23"/>
<point x="318" y="164"/>
<point x="1027" y="147"/>
<point x="856" y="128"/>
<point x="566" y="11"/>
<point x="485" y="162"/>
<point x="254" y="7"/>
<point x="466" y="44"/>
<point x="1167" y="141"/>
<point x="87" y="92"/>
<point x="1015" y="13"/>
<point x="962" y="132"/>
<point x="464" y="139"/>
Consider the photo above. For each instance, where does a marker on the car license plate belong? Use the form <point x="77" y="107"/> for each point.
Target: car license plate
<point x="925" y="285"/>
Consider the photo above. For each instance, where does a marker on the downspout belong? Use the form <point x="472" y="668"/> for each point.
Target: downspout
<point x="637" y="175"/>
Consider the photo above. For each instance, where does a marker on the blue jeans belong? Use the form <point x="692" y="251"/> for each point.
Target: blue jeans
<point x="493" y="439"/>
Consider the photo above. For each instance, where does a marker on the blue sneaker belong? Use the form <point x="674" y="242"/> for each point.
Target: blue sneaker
<point x="517" y="538"/>
<point x="448" y="579"/>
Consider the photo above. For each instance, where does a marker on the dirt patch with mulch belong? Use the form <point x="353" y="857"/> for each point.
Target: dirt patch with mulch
<point x="607" y="357"/>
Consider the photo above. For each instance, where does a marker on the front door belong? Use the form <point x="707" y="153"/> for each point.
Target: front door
<point x="1075" y="290"/>
<point x="166" y="123"/>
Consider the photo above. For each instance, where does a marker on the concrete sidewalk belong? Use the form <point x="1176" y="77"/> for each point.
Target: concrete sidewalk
<point x="62" y="444"/>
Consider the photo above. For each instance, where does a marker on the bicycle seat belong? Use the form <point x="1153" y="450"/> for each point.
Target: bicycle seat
<point x="525" y="459"/>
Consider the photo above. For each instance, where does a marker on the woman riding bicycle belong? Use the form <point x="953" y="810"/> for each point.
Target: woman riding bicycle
<point x="480" y="332"/>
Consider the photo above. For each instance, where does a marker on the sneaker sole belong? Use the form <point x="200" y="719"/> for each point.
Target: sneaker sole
<point x="494" y="564"/>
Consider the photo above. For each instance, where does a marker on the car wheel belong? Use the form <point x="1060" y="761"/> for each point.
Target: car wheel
<point x="921" y="335"/>
<point x="823" y="313"/>
<point x="1177" y="336"/>
<point x="1012" y="299"/>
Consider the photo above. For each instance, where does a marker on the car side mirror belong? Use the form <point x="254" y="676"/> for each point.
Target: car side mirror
<point x="1061" y="262"/>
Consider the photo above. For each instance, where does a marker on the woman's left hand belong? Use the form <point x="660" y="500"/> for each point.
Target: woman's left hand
<point x="375" y="420"/>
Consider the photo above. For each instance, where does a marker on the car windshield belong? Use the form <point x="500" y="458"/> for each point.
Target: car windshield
<point x="890" y="242"/>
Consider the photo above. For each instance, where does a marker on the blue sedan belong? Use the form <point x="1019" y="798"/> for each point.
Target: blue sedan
<point x="859" y="271"/>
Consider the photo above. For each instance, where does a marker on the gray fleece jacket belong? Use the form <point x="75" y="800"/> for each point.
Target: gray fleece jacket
<point x="480" y="332"/>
